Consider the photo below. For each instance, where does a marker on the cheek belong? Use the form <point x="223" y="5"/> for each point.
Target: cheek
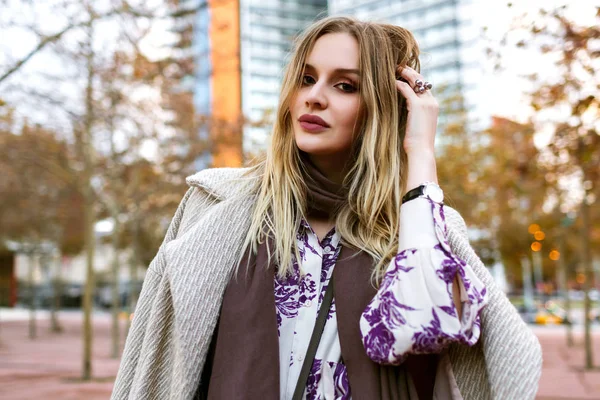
<point x="296" y="103"/>
<point x="349" y="118"/>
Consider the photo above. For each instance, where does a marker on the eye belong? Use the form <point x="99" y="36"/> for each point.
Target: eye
<point x="347" y="87"/>
<point x="307" y="80"/>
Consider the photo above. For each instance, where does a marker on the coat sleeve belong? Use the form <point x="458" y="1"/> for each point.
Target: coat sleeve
<point x="512" y="353"/>
<point x="150" y="298"/>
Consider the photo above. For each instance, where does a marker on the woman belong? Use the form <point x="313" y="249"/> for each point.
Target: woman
<point x="346" y="200"/>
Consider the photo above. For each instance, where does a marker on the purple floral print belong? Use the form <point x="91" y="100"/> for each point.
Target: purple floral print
<point x="414" y="311"/>
<point x="297" y="299"/>
<point x="337" y="381"/>
<point x="314" y="377"/>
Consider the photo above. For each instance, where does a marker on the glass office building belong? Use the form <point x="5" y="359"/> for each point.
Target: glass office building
<point x="241" y="48"/>
<point x="449" y="35"/>
<point x="268" y="28"/>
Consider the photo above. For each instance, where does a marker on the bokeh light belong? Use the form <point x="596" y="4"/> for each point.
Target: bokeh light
<point x="533" y="228"/>
<point x="554" y="255"/>
<point x="536" y="246"/>
<point x="539" y="235"/>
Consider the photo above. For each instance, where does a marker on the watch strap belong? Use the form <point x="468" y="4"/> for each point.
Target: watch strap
<point x="413" y="194"/>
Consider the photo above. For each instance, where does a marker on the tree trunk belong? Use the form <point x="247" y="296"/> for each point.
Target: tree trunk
<point x="89" y="287"/>
<point x="538" y="275"/>
<point x="564" y="288"/>
<point x="56" y="296"/>
<point x="133" y="267"/>
<point x="135" y="260"/>
<point x="589" y="277"/>
<point x="116" y="301"/>
<point x="89" y="217"/>
<point x="527" y="288"/>
<point x="32" y="319"/>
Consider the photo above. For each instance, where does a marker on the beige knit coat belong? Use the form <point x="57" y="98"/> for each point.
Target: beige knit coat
<point x="179" y="305"/>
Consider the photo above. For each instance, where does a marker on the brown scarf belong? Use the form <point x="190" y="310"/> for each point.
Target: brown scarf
<point x="244" y="359"/>
<point x="324" y="197"/>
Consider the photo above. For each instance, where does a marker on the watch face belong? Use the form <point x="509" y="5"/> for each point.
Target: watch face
<point x="435" y="193"/>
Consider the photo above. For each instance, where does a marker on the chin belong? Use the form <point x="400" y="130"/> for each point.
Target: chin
<point x="313" y="145"/>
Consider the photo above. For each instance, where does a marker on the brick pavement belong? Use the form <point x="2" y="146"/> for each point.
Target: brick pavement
<point x="563" y="376"/>
<point x="49" y="367"/>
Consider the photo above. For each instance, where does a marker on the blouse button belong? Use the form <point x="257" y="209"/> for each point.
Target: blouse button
<point x="300" y="358"/>
<point x="308" y="303"/>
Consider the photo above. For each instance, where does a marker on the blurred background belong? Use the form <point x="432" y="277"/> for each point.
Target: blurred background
<point x="107" y="106"/>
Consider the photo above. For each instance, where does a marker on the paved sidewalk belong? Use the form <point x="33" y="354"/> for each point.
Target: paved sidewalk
<point x="563" y="376"/>
<point x="49" y="367"/>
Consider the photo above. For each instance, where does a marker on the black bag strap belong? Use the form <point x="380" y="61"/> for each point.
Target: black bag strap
<point x="314" y="342"/>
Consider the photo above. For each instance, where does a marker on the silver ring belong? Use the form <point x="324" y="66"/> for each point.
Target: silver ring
<point x="421" y="87"/>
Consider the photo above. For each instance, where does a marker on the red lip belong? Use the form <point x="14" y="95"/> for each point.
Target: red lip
<point x="312" y="123"/>
<point x="314" y="120"/>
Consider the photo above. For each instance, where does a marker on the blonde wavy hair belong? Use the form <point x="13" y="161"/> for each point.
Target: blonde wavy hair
<point x="376" y="178"/>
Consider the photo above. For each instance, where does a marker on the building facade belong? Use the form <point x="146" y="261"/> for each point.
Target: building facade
<point x="449" y="34"/>
<point x="241" y="48"/>
<point x="268" y="30"/>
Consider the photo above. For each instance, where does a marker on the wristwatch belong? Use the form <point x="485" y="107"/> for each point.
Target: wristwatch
<point x="429" y="190"/>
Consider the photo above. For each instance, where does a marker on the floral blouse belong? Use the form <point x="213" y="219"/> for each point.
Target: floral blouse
<point x="412" y="312"/>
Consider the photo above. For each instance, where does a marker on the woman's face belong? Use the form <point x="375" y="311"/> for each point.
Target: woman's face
<point x="326" y="107"/>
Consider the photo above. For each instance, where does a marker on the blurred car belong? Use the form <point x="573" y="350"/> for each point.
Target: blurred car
<point x="545" y="318"/>
<point x="595" y="314"/>
<point x="71" y="295"/>
<point x="579" y="295"/>
<point x="551" y="313"/>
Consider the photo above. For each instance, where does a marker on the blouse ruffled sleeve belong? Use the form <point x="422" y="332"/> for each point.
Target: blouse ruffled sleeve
<point x="413" y="311"/>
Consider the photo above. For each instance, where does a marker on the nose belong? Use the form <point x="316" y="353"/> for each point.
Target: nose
<point x="316" y="98"/>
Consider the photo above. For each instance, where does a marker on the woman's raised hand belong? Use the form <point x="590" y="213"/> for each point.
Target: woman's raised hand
<point x="423" y="111"/>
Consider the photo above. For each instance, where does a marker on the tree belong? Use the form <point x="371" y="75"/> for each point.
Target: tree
<point x="78" y="44"/>
<point x="137" y="188"/>
<point x="128" y="9"/>
<point x="566" y="104"/>
<point x="107" y="125"/>
<point x="493" y="177"/>
<point x="35" y="170"/>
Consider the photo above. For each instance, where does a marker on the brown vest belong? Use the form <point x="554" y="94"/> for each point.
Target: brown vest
<point x="244" y="359"/>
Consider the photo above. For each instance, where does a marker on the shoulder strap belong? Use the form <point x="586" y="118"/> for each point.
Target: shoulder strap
<point x="314" y="341"/>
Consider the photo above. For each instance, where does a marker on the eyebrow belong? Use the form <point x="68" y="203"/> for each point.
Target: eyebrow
<point x="338" y="70"/>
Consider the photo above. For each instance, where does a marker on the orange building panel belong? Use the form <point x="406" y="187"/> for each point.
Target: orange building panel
<point x="226" y="96"/>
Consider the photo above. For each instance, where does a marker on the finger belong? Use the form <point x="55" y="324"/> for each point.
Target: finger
<point x="417" y="81"/>
<point x="406" y="90"/>
<point x="411" y="76"/>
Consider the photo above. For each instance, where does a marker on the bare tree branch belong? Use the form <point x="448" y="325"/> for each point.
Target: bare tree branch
<point x="49" y="39"/>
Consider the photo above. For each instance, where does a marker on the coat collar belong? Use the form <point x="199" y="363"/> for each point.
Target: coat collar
<point x="222" y="183"/>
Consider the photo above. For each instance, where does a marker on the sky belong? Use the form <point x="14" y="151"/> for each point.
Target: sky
<point x="45" y="72"/>
<point x="508" y="86"/>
